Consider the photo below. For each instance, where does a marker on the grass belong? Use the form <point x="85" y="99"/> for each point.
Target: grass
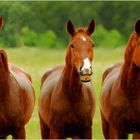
<point x="37" y="60"/>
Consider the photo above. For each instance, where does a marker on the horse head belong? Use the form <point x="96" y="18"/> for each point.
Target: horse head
<point x="80" y="50"/>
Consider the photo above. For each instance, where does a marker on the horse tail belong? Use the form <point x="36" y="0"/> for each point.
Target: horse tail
<point x="3" y="62"/>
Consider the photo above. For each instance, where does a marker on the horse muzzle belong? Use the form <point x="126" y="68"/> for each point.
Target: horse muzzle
<point x="85" y="74"/>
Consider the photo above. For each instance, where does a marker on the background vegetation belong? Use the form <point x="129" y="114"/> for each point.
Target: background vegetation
<point x="42" y="24"/>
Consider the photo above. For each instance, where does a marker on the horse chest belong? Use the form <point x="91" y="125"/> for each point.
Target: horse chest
<point x="75" y="116"/>
<point x="71" y="112"/>
<point x="71" y="116"/>
<point x="126" y="117"/>
<point x="75" y="123"/>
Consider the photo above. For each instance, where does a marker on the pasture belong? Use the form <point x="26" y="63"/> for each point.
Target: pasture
<point x="37" y="60"/>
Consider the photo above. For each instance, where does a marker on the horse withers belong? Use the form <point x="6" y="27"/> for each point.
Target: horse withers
<point x="16" y="98"/>
<point x="67" y="101"/>
<point x="120" y="96"/>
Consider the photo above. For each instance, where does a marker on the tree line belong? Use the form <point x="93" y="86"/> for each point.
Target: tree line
<point x="43" y="24"/>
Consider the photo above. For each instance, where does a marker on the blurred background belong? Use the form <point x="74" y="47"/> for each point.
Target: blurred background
<point x="42" y="24"/>
<point x="35" y="38"/>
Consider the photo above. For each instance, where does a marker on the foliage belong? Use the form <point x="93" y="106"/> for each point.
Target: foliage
<point x="108" y="38"/>
<point x="42" y="16"/>
<point x="47" y="39"/>
<point x="28" y="37"/>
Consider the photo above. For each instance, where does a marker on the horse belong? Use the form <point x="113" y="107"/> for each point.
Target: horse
<point x="67" y="100"/>
<point x="120" y="94"/>
<point x="17" y="98"/>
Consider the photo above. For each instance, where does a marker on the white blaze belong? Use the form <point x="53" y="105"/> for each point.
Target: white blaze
<point x="83" y="38"/>
<point x="87" y="64"/>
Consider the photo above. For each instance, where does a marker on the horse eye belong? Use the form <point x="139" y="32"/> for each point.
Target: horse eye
<point x="71" y="46"/>
<point x="92" y="45"/>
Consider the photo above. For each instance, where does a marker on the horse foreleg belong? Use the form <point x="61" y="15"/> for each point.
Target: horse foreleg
<point x="105" y="127"/>
<point x="116" y="133"/>
<point x="56" y="133"/>
<point x="113" y="132"/>
<point x="87" y="134"/>
<point x="136" y="135"/>
<point x="3" y="138"/>
<point x="44" y="129"/>
<point x="19" y="134"/>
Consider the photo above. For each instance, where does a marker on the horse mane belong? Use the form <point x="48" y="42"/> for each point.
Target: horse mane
<point x="81" y="30"/>
<point x="129" y="48"/>
<point x="128" y="58"/>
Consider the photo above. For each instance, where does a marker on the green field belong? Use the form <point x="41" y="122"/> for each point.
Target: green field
<point x="37" y="60"/>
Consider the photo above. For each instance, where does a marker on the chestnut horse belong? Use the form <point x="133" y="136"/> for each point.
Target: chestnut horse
<point x="120" y="97"/>
<point x="16" y="99"/>
<point x="67" y="101"/>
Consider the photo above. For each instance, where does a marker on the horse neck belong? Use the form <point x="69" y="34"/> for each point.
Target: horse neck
<point x="71" y="80"/>
<point x="4" y="80"/>
<point x="130" y="78"/>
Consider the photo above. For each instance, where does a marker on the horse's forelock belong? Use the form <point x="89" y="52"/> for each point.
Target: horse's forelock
<point x="81" y="30"/>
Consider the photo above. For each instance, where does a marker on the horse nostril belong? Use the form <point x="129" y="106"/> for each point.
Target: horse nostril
<point x="80" y="68"/>
<point x="80" y="71"/>
<point x="91" y="68"/>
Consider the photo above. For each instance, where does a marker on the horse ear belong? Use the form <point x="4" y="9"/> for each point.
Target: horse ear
<point x="91" y="27"/>
<point x="137" y="27"/>
<point x="70" y="28"/>
<point x="1" y="22"/>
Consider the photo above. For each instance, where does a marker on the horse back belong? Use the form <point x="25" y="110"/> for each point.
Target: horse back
<point x="19" y="71"/>
<point x="109" y="70"/>
<point x="25" y="93"/>
<point x="50" y="71"/>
